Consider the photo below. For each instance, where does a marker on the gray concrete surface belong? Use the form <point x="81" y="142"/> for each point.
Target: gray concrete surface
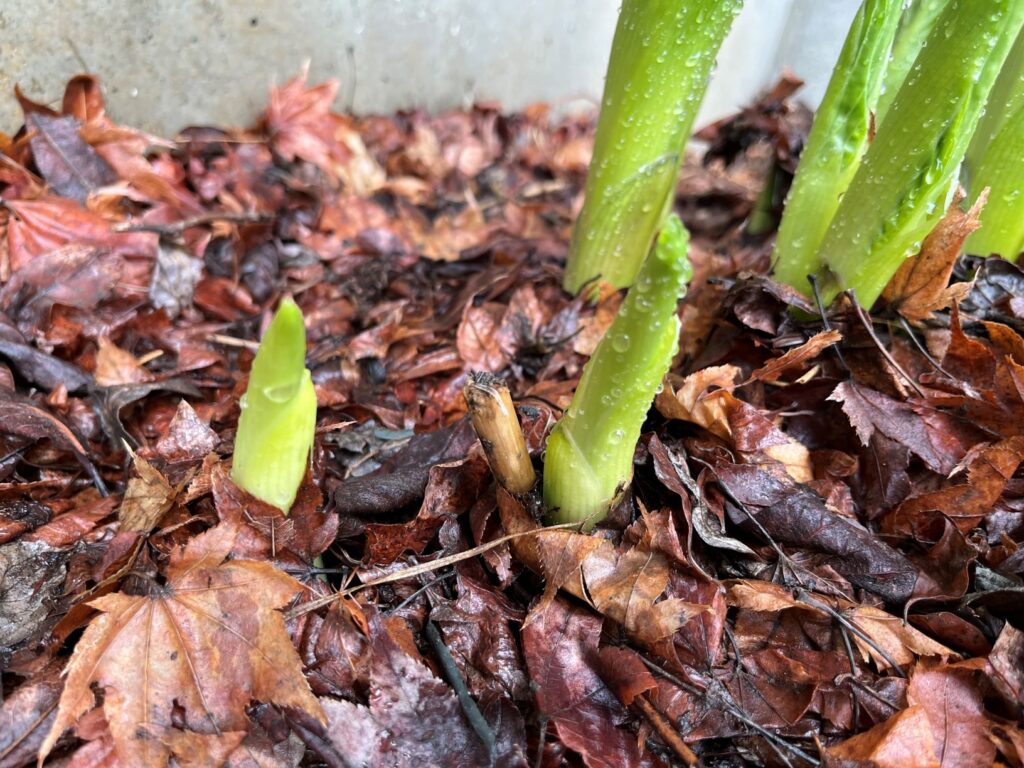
<point x="165" y="64"/>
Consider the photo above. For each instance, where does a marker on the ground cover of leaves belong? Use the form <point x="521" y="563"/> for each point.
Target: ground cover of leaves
<point x="819" y="561"/>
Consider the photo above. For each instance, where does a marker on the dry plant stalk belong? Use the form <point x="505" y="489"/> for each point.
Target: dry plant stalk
<point x="497" y="426"/>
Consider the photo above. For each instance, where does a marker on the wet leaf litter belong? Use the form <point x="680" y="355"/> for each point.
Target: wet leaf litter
<point x="818" y="560"/>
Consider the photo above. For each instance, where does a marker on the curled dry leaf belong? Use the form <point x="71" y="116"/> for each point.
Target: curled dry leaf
<point x="797" y="356"/>
<point x="921" y="284"/>
<point x="694" y="400"/>
<point x="188" y="658"/>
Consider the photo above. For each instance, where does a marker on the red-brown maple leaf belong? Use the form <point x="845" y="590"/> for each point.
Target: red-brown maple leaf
<point x="181" y="665"/>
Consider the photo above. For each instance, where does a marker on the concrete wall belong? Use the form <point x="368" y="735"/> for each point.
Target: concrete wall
<point x="165" y="64"/>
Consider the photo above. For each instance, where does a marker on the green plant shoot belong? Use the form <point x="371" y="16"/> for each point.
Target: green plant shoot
<point x="661" y="59"/>
<point x="278" y="419"/>
<point x="995" y="160"/>
<point x="590" y="451"/>
<point x="838" y="140"/>
<point x="917" y="21"/>
<point x="903" y="184"/>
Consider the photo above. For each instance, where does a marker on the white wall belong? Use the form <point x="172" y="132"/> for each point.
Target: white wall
<point x="169" y="63"/>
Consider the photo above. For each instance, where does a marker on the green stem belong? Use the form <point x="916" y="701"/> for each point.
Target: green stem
<point x="996" y="160"/>
<point x="917" y="21"/>
<point x="590" y="451"/>
<point x="838" y="140"/>
<point x="660" y="62"/>
<point x="901" y="188"/>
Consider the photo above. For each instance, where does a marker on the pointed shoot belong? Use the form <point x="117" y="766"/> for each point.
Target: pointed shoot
<point x="275" y="429"/>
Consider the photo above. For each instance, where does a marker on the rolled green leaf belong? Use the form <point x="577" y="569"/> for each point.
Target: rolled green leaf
<point x="996" y="160"/>
<point x="660" y="62"/>
<point x="903" y="184"/>
<point x="590" y="451"/>
<point x="917" y="21"/>
<point x="278" y="419"/>
<point x="838" y="140"/>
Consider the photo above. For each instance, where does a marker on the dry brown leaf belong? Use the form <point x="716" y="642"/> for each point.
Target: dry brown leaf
<point x="903" y="741"/>
<point x="809" y="350"/>
<point x="761" y="596"/>
<point x="893" y="635"/>
<point x="189" y="658"/>
<point x="622" y="585"/>
<point x="921" y="284"/>
<point x="692" y="401"/>
<point x="115" y="366"/>
<point x="146" y="499"/>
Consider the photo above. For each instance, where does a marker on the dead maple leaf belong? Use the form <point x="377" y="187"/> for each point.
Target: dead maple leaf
<point x="921" y="284"/>
<point x="188" y="658"/>
<point x="302" y="126"/>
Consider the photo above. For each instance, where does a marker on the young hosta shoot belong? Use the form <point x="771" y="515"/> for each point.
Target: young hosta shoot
<point x="590" y="451"/>
<point x="902" y="186"/>
<point x="275" y="429"/>
<point x="838" y="140"/>
<point x="917" y="21"/>
<point x="660" y="62"/>
<point x="996" y="160"/>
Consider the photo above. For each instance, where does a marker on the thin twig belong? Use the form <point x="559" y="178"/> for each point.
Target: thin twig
<point x="231" y="341"/>
<point x="865" y="320"/>
<point x="416" y="570"/>
<point x="664" y="729"/>
<point x="177" y="227"/>
<point x="476" y="719"/>
<point x="824" y="319"/>
<point x="923" y="349"/>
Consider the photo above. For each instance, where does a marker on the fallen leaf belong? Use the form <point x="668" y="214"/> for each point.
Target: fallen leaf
<point x="115" y="366"/>
<point x="919" y="286"/>
<point x="952" y="701"/>
<point x="147" y="498"/>
<point x="188" y="440"/>
<point x="70" y="166"/>
<point x="44" y="370"/>
<point x="560" y="646"/>
<point x="796" y="357"/>
<point x="795" y="515"/>
<point x="32" y="573"/>
<point x="26" y="715"/>
<point x="902" y="642"/>
<point x="903" y="741"/>
<point x="966" y="504"/>
<point x="477" y="339"/>
<point x="40" y="226"/>
<point x="413" y="719"/>
<point x="694" y="400"/>
<point x="870" y="411"/>
<point x="1006" y="665"/>
<point x="187" y="658"/>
